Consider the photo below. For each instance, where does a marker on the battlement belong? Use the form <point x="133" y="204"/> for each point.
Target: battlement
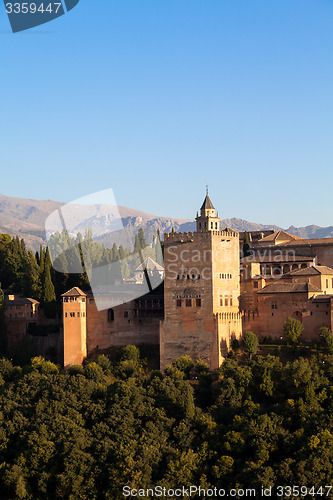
<point x="229" y="316"/>
<point x="191" y="236"/>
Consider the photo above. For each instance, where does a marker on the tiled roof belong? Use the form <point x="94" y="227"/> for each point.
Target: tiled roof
<point x="273" y="259"/>
<point x="289" y="288"/>
<point x="207" y="204"/>
<point x="20" y="301"/>
<point x="279" y="235"/>
<point x="74" y="292"/>
<point x="322" y="298"/>
<point x="317" y="241"/>
<point x="312" y="271"/>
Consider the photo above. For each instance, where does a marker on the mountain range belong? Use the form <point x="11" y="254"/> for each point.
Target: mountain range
<point x="26" y="218"/>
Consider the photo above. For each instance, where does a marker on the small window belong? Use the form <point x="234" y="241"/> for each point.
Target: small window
<point x="91" y="301"/>
<point x="326" y="283"/>
<point x="221" y="302"/>
<point x="125" y="314"/>
<point x="179" y="302"/>
<point x="226" y="302"/>
<point x="188" y="302"/>
<point x="193" y="276"/>
<point x="78" y="314"/>
<point x="83" y="315"/>
<point x="110" y="315"/>
<point x="188" y="276"/>
<point x="255" y="284"/>
<point x="231" y="301"/>
<point x="198" y="302"/>
<point x="65" y="315"/>
<point x="177" y="276"/>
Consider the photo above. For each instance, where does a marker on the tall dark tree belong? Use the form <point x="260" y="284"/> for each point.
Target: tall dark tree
<point x="31" y="282"/>
<point x="246" y="245"/>
<point x="3" y="326"/>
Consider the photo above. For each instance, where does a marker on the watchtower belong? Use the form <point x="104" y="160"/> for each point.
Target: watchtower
<point x="201" y="291"/>
<point x="75" y="326"/>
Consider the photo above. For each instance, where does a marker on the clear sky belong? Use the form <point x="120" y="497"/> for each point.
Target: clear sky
<point x="156" y="98"/>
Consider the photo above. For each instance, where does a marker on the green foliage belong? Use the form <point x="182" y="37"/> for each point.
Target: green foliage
<point x="251" y="343"/>
<point x="292" y="330"/>
<point x="104" y="362"/>
<point x="81" y="434"/>
<point x="94" y="371"/>
<point x="3" y="326"/>
<point x="184" y="364"/>
<point x="130" y="352"/>
<point x="326" y="337"/>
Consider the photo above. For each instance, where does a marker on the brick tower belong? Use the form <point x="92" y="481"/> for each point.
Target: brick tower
<point x="201" y="291"/>
<point x="75" y="326"/>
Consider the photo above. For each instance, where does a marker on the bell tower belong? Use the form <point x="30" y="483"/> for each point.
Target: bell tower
<point x="208" y="220"/>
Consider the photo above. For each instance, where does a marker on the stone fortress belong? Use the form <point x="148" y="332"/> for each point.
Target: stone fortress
<point x="211" y="294"/>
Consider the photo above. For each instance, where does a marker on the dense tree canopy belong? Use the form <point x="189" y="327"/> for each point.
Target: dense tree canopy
<point x="88" y="432"/>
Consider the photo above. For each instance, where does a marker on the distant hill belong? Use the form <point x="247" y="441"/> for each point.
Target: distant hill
<point x="26" y="218"/>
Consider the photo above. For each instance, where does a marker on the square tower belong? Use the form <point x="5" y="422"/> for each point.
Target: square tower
<point x="74" y="326"/>
<point x="201" y="292"/>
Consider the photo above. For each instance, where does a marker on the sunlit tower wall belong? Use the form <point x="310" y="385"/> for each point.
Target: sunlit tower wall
<point x="201" y="292"/>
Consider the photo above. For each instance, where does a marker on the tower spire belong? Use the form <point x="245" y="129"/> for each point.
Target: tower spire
<point x="206" y="189"/>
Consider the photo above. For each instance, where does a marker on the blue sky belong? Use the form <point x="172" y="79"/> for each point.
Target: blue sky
<point x="156" y="98"/>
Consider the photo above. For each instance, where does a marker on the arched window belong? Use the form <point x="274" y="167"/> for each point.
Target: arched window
<point x="110" y="315"/>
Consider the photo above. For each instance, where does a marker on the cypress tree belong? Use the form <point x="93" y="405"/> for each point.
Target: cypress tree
<point x="246" y="245"/>
<point x="141" y="237"/>
<point x="41" y="259"/>
<point x="48" y="292"/>
<point x="137" y="246"/>
<point x="3" y="327"/>
<point x="31" y="284"/>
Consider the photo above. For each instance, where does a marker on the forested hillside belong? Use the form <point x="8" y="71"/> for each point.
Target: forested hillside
<point x="88" y="432"/>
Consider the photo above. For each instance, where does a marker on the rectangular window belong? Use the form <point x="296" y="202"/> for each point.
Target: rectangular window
<point x="326" y="283"/>
<point x="274" y="305"/>
<point x="255" y="284"/>
<point x="78" y="314"/>
<point x="221" y="302"/>
<point x="198" y="302"/>
<point x="188" y="302"/>
<point x="231" y="301"/>
<point x="179" y="302"/>
<point x="226" y="302"/>
<point x="125" y="314"/>
<point x="65" y="315"/>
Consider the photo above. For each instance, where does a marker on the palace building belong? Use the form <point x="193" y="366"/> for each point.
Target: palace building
<point x="211" y="294"/>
